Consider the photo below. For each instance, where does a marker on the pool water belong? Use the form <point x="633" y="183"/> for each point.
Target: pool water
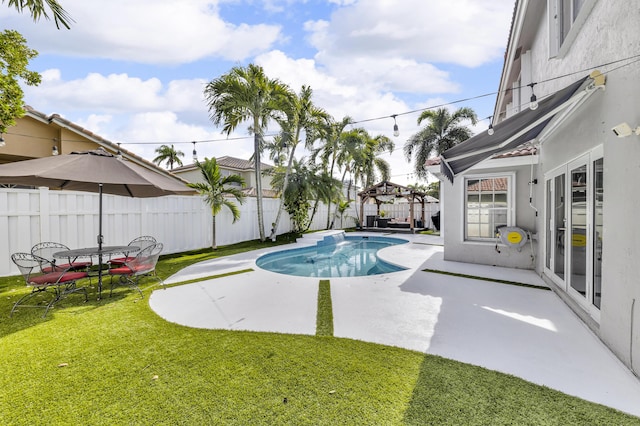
<point x="335" y="256"/>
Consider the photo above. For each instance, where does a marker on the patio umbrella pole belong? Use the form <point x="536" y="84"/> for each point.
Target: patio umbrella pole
<point x="100" y="242"/>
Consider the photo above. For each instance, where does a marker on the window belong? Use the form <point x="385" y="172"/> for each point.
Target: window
<point x="565" y="19"/>
<point x="487" y="205"/>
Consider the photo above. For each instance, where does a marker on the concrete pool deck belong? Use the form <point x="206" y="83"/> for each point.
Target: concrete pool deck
<point x="526" y="332"/>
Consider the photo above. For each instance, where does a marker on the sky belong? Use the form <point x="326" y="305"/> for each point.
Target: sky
<point x="133" y="72"/>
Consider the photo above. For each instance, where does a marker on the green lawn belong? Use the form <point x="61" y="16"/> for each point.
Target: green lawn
<point x="115" y="362"/>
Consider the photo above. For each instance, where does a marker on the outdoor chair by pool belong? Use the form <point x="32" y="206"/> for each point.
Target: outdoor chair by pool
<point x="143" y="242"/>
<point x="143" y="264"/>
<point x="42" y="275"/>
<point x="46" y="250"/>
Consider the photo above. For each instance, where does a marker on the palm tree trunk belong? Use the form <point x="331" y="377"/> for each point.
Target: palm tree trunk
<point x="256" y="159"/>
<point x="284" y="188"/>
<point x="214" y="246"/>
<point x="336" y="214"/>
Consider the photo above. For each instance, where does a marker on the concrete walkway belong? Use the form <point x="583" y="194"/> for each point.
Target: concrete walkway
<point x="526" y="332"/>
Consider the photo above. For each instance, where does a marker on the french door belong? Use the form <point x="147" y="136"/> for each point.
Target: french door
<point x="574" y="196"/>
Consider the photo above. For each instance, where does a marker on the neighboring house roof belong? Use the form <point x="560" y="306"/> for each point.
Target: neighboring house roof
<point x="227" y="162"/>
<point x="489" y="185"/>
<point x="92" y="137"/>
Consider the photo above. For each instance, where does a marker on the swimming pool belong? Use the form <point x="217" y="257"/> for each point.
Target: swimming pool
<point x="334" y="256"/>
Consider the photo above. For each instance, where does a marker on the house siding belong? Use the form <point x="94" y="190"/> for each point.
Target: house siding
<point x="608" y="34"/>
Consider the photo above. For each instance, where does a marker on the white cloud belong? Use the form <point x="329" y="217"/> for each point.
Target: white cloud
<point x="456" y="31"/>
<point x="147" y="31"/>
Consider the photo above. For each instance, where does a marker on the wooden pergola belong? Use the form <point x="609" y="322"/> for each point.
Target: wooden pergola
<point x="385" y="191"/>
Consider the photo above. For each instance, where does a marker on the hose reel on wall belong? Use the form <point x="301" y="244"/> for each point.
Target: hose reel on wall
<point x="512" y="237"/>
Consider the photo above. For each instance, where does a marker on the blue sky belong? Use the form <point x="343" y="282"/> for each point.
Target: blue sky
<point x="133" y="71"/>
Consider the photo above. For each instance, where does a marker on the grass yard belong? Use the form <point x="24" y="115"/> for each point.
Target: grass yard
<point x="115" y="362"/>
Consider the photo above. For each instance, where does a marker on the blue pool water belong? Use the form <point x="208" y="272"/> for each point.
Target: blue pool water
<point x="335" y="256"/>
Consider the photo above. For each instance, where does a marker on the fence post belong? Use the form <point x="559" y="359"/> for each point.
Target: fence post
<point x="45" y="209"/>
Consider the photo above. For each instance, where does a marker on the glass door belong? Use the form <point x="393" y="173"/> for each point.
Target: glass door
<point x="555" y="234"/>
<point x="578" y="239"/>
<point x="574" y="198"/>
<point x="598" y="202"/>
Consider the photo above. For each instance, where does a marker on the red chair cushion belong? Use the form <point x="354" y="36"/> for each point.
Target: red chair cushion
<point x="129" y="270"/>
<point x="65" y="266"/>
<point x="121" y="260"/>
<point x="57" y="278"/>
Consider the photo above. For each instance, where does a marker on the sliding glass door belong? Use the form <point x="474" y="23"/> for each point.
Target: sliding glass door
<point x="574" y="199"/>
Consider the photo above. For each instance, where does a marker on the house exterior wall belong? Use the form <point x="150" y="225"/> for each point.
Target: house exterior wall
<point x="607" y="35"/>
<point x="457" y="249"/>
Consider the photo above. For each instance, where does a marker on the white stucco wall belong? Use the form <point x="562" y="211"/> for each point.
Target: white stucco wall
<point x="485" y="252"/>
<point x="609" y="34"/>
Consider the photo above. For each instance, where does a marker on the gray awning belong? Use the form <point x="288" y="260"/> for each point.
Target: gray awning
<point x="510" y="133"/>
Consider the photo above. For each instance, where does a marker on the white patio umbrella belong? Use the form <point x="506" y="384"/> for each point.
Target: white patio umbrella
<point x="93" y="171"/>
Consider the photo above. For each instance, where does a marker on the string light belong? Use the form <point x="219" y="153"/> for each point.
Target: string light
<point x="490" y="130"/>
<point x="195" y="154"/>
<point x="396" y="131"/>
<point x="533" y="104"/>
<point x="2" y="143"/>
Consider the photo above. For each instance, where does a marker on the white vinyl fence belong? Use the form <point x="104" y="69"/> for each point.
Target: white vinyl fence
<point x="181" y="223"/>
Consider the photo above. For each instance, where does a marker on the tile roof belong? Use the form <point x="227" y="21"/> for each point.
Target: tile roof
<point x="521" y="151"/>
<point x="57" y="119"/>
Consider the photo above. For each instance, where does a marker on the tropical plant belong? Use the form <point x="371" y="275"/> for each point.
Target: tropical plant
<point x="326" y="189"/>
<point x="443" y="131"/>
<point x="364" y="152"/>
<point x="247" y="94"/>
<point x="37" y="10"/>
<point x="14" y="59"/>
<point x="341" y="210"/>
<point x="217" y="191"/>
<point x="333" y="153"/>
<point x="433" y="189"/>
<point x="169" y="155"/>
<point x="301" y="116"/>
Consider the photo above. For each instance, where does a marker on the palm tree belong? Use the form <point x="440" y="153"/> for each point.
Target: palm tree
<point x="442" y="132"/>
<point x="36" y="9"/>
<point x="169" y="155"/>
<point x="247" y="94"/>
<point x="217" y="190"/>
<point x="367" y="165"/>
<point x="301" y="116"/>
<point x="333" y="153"/>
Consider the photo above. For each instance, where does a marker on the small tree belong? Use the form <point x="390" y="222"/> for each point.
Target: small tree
<point x="217" y="190"/>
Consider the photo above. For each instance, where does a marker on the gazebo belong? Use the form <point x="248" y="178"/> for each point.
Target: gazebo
<point x="385" y="192"/>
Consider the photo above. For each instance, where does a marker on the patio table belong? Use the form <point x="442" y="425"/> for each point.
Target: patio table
<point x="96" y="251"/>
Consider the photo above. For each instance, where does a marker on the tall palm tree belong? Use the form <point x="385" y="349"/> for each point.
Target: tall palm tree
<point x="332" y="153"/>
<point x="301" y="116"/>
<point x="247" y="94"/>
<point x="169" y="155"/>
<point x="443" y="131"/>
<point x="36" y="9"/>
<point x="367" y="165"/>
<point x="217" y="191"/>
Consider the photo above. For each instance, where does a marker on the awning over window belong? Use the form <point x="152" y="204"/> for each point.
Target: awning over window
<point x="512" y="132"/>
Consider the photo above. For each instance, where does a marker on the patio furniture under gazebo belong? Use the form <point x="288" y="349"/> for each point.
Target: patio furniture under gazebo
<point x="385" y="192"/>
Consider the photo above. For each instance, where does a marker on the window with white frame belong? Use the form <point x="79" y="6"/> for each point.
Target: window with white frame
<point x="565" y="19"/>
<point x="487" y="205"/>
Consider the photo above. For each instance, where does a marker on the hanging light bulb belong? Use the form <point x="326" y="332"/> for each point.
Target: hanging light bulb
<point x="396" y="131"/>
<point x="195" y="154"/>
<point x="490" y="130"/>
<point x="533" y="104"/>
<point x="119" y="153"/>
<point x="2" y="143"/>
<point x="54" y="150"/>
